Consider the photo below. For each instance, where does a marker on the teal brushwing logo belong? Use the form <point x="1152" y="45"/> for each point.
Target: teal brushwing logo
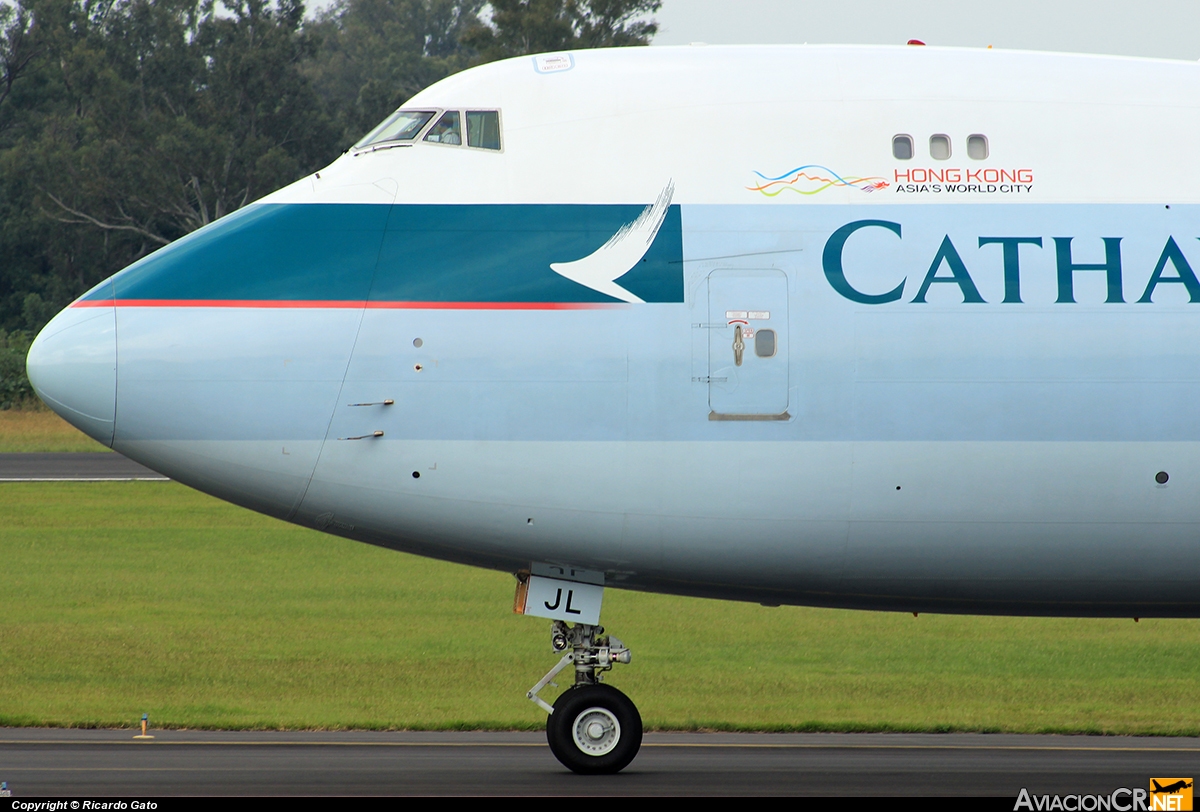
<point x="420" y="254"/>
<point x="623" y="252"/>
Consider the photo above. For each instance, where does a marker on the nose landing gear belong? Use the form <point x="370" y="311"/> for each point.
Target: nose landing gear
<point x="592" y="728"/>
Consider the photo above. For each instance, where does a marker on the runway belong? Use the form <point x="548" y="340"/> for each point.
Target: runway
<point x="96" y="763"/>
<point x="83" y="467"/>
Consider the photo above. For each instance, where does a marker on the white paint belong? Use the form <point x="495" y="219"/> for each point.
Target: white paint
<point x="601" y="132"/>
<point x="564" y="600"/>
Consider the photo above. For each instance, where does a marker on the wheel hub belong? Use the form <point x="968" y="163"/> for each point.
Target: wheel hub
<point x="597" y="731"/>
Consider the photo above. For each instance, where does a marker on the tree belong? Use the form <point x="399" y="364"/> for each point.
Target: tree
<point x="533" y="26"/>
<point x="376" y="54"/>
<point x="17" y="48"/>
<point x="180" y="115"/>
<point x="138" y="121"/>
<point x="125" y="124"/>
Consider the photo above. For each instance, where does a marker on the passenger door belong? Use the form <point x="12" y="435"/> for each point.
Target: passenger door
<point x="748" y="345"/>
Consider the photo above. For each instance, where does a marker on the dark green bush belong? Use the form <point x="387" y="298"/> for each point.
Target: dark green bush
<point x="15" y="391"/>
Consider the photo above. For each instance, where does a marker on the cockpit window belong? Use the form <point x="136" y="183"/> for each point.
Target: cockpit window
<point x="480" y="130"/>
<point x="483" y="129"/>
<point x="447" y="129"/>
<point x="403" y="125"/>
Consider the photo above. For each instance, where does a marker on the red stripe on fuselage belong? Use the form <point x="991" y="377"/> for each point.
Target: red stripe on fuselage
<point x="344" y="304"/>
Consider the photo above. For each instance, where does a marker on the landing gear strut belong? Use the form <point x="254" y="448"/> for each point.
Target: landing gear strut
<point x="592" y="728"/>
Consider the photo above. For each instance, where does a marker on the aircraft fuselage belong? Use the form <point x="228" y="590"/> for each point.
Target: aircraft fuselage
<point x="697" y="327"/>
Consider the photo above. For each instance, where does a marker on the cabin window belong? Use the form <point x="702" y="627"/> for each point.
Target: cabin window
<point x="483" y="129"/>
<point x="977" y="147"/>
<point x="902" y="147"/>
<point x="402" y="125"/>
<point x="764" y="343"/>
<point x="939" y="147"/>
<point x="448" y="129"/>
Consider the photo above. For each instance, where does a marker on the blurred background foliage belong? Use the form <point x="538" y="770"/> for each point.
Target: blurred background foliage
<point x="125" y="124"/>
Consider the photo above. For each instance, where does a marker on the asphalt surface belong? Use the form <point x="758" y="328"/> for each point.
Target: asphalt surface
<point x="102" y="466"/>
<point x="97" y="763"/>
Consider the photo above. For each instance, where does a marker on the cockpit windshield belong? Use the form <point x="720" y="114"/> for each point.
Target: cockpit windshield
<point x="477" y="129"/>
<point x="446" y="131"/>
<point x="403" y="125"/>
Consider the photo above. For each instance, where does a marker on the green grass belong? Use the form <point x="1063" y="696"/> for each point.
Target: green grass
<point x="28" y="430"/>
<point x="123" y="598"/>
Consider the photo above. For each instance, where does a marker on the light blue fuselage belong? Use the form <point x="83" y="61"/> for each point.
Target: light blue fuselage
<point x="938" y="428"/>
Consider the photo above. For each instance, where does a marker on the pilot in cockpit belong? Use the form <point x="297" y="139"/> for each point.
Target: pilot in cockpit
<point x="445" y="131"/>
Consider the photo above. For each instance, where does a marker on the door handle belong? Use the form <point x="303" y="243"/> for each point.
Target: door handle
<point x="739" y="346"/>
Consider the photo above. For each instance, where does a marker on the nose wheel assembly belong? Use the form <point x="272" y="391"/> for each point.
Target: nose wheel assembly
<point x="592" y="728"/>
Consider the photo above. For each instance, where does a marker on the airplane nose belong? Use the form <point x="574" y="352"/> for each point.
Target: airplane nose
<point x="72" y="365"/>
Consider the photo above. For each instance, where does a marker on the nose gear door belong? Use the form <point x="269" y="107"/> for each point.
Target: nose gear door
<point x="748" y="345"/>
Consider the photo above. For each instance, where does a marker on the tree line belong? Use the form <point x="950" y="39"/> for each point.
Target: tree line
<point x="125" y="124"/>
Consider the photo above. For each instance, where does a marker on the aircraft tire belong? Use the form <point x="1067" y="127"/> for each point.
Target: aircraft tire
<point x="594" y="730"/>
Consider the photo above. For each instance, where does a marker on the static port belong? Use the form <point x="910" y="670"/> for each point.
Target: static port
<point x="416" y="474"/>
<point x="1161" y="477"/>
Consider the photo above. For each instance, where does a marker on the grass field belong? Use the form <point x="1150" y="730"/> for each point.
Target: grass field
<point x="123" y="598"/>
<point x="41" y="430"/>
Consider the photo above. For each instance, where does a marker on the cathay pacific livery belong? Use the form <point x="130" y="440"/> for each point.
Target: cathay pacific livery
<point x="907" y="329"/>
